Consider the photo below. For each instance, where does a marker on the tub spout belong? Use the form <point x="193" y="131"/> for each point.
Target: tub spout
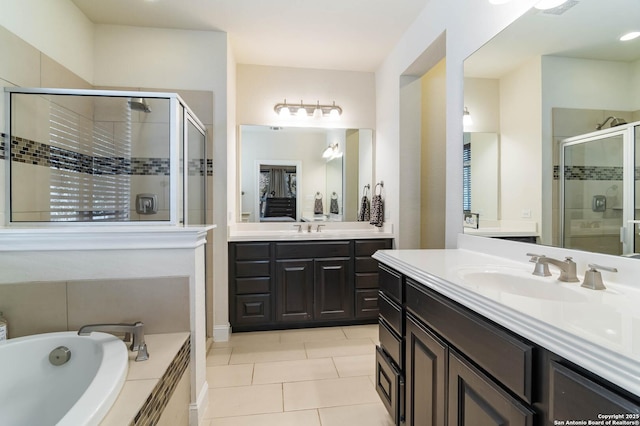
<point x="136" y="330"/>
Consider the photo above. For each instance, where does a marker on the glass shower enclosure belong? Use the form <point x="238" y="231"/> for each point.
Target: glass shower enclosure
<point x="600" y="191"/>
<point x="103" y="157"/>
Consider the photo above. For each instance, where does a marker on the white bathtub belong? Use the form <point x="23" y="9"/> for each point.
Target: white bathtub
<point x="79" y="392"/>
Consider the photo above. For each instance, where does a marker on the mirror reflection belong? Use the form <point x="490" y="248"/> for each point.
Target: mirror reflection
<point x="553" y="75"/>
<point x="302" y="174"/>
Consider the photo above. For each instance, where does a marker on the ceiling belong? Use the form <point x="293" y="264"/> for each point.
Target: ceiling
<point x="588" y="29"/>
<point x="354" y="35"/>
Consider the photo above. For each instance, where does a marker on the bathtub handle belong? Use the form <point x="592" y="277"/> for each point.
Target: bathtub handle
<point x="136" y="330"/>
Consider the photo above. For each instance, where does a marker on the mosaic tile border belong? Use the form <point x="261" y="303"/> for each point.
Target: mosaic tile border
<point x="592" y="173"/>
<point x="31" y="152"/>
<point x="155" y="404"/>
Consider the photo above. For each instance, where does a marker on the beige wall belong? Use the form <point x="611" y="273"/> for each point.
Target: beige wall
<point x="433" y="158"/>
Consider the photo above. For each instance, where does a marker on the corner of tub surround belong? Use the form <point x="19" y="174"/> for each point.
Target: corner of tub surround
<point x="628" y="268"/>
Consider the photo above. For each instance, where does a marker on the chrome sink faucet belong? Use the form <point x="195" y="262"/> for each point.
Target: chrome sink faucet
<point x="567" y="267"/>
<point x="136" y="330"/>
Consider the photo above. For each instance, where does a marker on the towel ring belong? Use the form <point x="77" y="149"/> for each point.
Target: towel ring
<point x="318" y="196"/>
<point x="379" y="184"/>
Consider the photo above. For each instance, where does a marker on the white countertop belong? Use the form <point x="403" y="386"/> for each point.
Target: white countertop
<point x="289" y="231"/>
<point x="598" y="330"/>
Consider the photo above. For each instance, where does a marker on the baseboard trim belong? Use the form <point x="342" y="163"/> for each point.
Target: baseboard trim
<point x="197" y="410"/>
<point x="221" y="333"/>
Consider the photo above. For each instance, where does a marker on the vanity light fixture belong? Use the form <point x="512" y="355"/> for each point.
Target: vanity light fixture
<point x="466" y="118"/>
<point x="332" y="151"/>
<point x="305" y="110"/>
<point x="630" y="36"/>
<point x="549" y="4"/>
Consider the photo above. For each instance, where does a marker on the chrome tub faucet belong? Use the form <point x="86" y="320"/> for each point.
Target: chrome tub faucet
<point x="136" y="330"/>
<point x="567" y="267"/>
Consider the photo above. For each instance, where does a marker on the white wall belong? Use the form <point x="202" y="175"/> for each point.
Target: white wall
<point x="473" y="24"/>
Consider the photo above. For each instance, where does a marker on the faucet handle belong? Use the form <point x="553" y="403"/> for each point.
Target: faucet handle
<point x="535" y="257"/>
<point x="593" y="277"/>
<point x="541" y="269"/>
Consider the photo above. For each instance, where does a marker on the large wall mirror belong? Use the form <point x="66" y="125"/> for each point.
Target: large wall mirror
<point x="550" y="76"/>
<point x="289" y="174"/>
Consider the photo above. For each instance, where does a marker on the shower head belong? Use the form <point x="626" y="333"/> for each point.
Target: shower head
<point x="139" y="104"/>
<point x="615" y="122"/>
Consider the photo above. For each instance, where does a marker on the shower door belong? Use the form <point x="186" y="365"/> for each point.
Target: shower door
<point x="597" y="196"/>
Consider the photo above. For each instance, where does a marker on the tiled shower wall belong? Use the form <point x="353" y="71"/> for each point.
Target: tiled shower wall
<point x="162" y="304"/>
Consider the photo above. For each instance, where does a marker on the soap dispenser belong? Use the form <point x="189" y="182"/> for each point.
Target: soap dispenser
<point x="4" y="328"/>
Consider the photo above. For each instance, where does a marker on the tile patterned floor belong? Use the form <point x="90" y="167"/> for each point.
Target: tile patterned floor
<point x="311" y="377"/>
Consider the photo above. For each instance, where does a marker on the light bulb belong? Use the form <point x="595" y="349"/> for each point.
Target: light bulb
<point x="466" y="118"/>
<point x="302" y="112"/>
<point x="284" y="110"/>
<point x="317" y="113"/>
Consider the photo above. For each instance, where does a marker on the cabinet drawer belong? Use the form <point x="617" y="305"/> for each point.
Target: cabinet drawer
<point x="249" y="251"/>
<point x="391" y="343"/>
<point x="390" y="386"/>
<point x="252" y="268"/>
<point x="367" y="280"/>
<point x="253" y="309"/>
<point x="366" y="264"/>
<point x="368" y="247"/>
<point x="253" y="285"/>
<point x="313" y="249"/>
<point x="391" y="313"/>
<point x="367" y="304"/>
<point x="502" y="355"/>
<point x="390" y="283"/>
<point x="574" y="396"/>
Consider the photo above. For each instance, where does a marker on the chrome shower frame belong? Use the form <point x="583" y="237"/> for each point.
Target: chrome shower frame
<point x="179" y="113"/>
<point x="627" y="131"/>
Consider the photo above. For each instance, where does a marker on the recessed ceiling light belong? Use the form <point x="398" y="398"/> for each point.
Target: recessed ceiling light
<point x="630" y="36"/>
<point x="549" y="4"/>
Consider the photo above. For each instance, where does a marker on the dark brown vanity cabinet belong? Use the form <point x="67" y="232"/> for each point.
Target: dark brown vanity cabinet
<point x="459" y="368"/>
<point x="283" y="284"/>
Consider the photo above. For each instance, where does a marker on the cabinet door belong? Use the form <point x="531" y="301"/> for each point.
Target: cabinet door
<point x="390" y="386"/>
<point x="426" y="368"/>
<point x="334" y="293"/>
<point x="474" y="400"/>
<point x="294" y="290"/>
<point x="575" y="397"/>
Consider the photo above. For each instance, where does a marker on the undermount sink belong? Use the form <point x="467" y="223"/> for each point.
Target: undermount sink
<point x="515" y="281"/>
